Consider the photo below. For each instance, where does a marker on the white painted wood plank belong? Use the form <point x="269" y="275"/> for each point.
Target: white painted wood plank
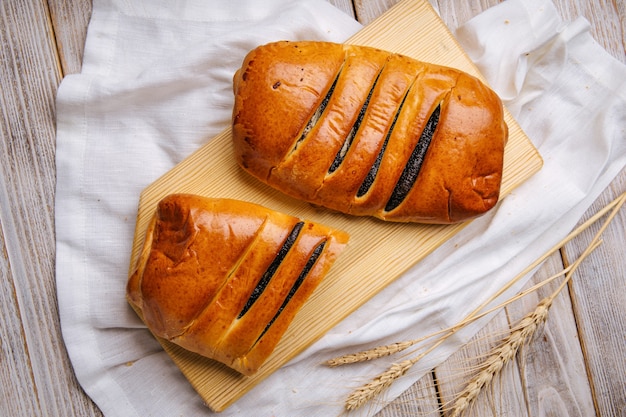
<point x="552" y="365"/>
<point x="419" y="400"/>
<point x="502" y="394"/>
<point x="549" y="367"/>
<point x="598" y="295"/>
<point x="29" y="77"/>
<point x="38" y="378"/>
<point x="456" y="13"/>
<point x="368" y="10"/>
<point x="69" y="20"/>
<point x="18" y="395"/>
<point x="345" y="6"/>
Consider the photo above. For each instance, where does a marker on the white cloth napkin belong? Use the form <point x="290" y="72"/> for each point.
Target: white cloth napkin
<point x="156" y="85"/>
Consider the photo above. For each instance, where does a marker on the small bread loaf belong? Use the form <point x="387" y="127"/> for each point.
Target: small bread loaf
<point x="224" y="278"/>
<point x="367" y="132"/>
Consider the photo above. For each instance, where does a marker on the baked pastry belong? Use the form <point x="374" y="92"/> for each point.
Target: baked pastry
<point x="368" y="132"/>
<point x="224" y="278"/>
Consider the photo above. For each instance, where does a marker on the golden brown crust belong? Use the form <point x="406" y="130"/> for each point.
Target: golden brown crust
<point x="296" y="104"/>
<point x="204" y="258"/>
<point x="279" y="96"/>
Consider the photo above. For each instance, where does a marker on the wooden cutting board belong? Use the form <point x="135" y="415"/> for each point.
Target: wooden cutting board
<point x="378" y="252"/>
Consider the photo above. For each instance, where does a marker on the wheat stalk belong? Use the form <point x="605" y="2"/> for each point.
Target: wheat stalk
<point x="378" y="384"/>
<point x="491" y="367"/>
<point x="523" y="332"/>
<point x="371" y="354"/>
<point x="503" y="354"/>
<point x="387" y="350"/>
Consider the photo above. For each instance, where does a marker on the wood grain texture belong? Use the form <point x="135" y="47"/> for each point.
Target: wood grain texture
<point x="453" y="374"/>
<point x="69" y="20"/>
<point x="598" y="294"/>
<point x="38" y="368"/>
<point x="457" y="13"/>
<point x="405" y="244"/>
<point x="345" y="6"/>
<point x="42" y="41"/>
<point x="15" y="376"/>
<point x="564" y="389"/>
<point x="368" y="11"/>
<point x="607" y="19"/>
<point x="550" y="371"/>
<point x="421" y="399"/>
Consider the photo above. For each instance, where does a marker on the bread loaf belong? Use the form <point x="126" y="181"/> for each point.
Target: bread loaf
<point x="367" y="132"/>
<point x="224" y="278"/>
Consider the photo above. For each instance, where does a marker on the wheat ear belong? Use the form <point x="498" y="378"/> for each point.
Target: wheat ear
<point x="523" y="332"/>
<point x="387" y="350"/>
<point x="383" y="381"/>
<point x="492" y="366"/>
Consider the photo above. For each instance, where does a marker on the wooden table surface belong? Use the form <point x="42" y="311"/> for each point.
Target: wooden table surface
<point x="575" y="367"/>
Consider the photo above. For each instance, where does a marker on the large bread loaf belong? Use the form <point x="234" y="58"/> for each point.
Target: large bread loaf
<point x="368" y="132"/>
<point x="224" y="278"/>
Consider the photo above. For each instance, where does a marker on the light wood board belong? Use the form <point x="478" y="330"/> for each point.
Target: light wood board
<point x="378" y="252"/>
